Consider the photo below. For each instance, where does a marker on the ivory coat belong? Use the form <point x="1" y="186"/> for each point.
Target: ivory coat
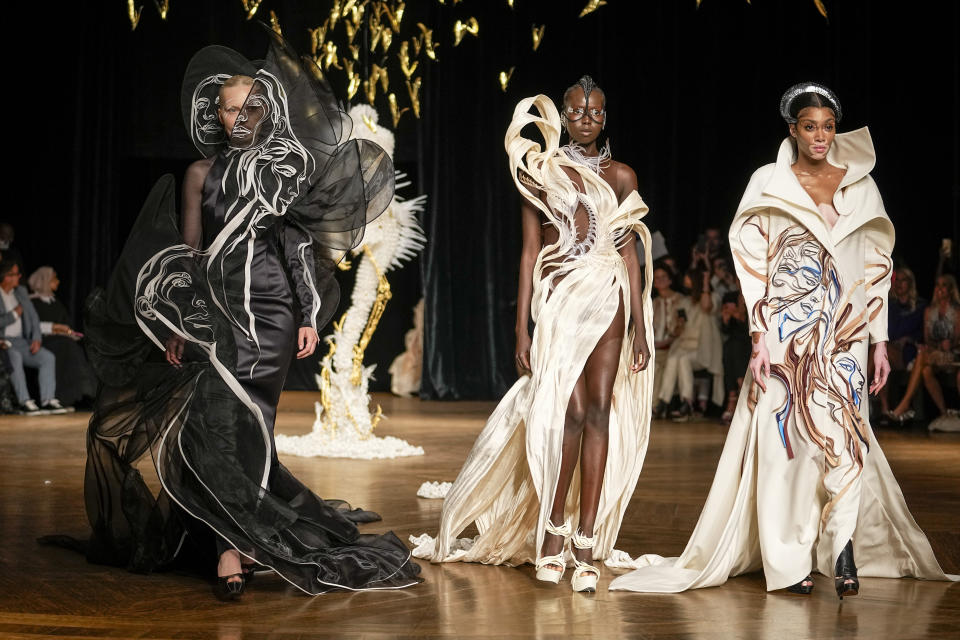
<point x="801" y="472"/>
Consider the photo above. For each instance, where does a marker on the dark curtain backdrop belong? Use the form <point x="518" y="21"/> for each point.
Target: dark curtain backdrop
<point x="693" y="108"/>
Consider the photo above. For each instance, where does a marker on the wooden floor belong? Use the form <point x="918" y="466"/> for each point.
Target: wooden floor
<point x="50" y="592"/>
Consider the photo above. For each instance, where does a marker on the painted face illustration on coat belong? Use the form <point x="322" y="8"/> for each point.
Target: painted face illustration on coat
<point x="809" y="286"/>
<point x="848" y="378"/>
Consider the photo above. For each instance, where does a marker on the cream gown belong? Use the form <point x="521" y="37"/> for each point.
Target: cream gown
<point x="801" y="471"/>
<point x="508" y="481"/>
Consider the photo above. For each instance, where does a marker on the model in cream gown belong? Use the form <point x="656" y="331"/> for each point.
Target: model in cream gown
<point x="801" y="472"/>
<point x="508" y="482"/>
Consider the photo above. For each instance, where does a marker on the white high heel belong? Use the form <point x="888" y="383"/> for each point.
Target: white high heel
<point x="547" y="565"/>
<point x="585" y="576"/>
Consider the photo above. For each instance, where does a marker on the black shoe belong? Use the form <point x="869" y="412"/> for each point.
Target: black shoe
<point x="845" y="574"/>
<point x="660" y="410"/>
<point x="227" y="590"/>
<point x="682" y="413"/>
<point x="804" y="587"/>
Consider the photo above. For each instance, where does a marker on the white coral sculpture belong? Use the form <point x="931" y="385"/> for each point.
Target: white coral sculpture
<point x="345" y="423"/>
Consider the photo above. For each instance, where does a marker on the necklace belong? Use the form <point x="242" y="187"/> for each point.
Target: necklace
<point x="595" y="163"/>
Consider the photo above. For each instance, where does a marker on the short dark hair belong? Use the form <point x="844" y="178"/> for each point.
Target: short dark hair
<point x="6" y="266"/>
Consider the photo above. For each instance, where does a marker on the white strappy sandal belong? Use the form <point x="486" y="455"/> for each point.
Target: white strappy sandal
<point x="585" y="576"/>
<point x="547" y="565"/>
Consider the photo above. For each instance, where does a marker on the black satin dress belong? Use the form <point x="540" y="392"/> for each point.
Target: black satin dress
<point x="261" y="365"/>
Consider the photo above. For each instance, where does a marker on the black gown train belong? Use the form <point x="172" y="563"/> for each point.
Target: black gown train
<point x="284" y="198"/>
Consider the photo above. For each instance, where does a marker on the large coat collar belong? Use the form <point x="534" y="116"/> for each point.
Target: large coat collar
<point x="856" y="200"/>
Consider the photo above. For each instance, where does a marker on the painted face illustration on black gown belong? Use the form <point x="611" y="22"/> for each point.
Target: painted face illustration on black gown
<point x="255" y="122"/>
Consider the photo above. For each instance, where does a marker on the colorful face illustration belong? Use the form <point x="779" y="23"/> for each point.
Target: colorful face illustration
<point x="799" y="272"/>
<point x="848" y="376"/>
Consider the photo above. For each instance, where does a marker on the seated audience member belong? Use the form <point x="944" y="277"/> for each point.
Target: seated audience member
<point x="21" y="328"/>
<point x="941" y="349"/>
<point x="905" y="311"/>
<point x="736" y="348"/>
<point x="668" y="325"/>
<point x="698" y="346"/>
<point x="75" y="378"/>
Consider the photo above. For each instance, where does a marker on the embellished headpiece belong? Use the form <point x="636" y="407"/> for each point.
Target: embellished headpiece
<point x="801" y="88"/>
<point x="589" y="86"/>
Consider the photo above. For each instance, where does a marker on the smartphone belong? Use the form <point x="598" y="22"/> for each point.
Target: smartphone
<point x="682" y="314"/>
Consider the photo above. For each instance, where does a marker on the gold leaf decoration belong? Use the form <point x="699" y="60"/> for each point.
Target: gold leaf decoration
<point x="592" y="6"/>
<point x="251" y="6"/>
<point x="370" y="88"/>
<point x="370" y="123"/>
<point x="822" y="9"/>
<point x="317" y="37"/>
<point x="348" y="7"/>
<point x="404" y="56"/>
<point x="460" y="27"/>
<point x="505" y="79"/>
<point x="380" y="73"/>
<point x="353" y="79"/>
<point x="386" y="37"/>
<point x="396" y="111"/>
<point x="330" y="56"/>
<point x="414" y="90"/>
<point x="538" y="35"/>
<point x="394" y="15"/>
<point x="335" y="13"/>
<point x="275" y="23"/>
<point x="163" y="6"/>
<point x="133" y="13"/>
<point x="354" y="51"/>
<point x="426" y="42"/>
<point x="351" y="31"/>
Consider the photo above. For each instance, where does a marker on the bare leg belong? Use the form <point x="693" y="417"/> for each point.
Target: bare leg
<point x="229" y="565"/>
<point x="933" y="388"/>
<point x="572" y="433"/>
<point x="601" y="373"/>
<point x="915" y="376"/>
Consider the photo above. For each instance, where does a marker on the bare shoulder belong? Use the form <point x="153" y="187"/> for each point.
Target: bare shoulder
<point x="197" y="171"/>
<point x="624" y="178"/>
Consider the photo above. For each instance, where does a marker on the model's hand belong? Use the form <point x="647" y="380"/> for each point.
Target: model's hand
<point x="881" y="367"/>
<point x="62" y="330"/>
<point x="18" y="310"/>
<point x="307" y="340"/>
<point x="174" y="353"/>
<point x="760" y="360"/>
<point x="641" y="352"/>
<point x="34" y="347"/>
<point x="522" y="355"/>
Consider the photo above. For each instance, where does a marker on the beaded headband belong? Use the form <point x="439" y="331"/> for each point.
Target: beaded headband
<point x="799" y="89"/>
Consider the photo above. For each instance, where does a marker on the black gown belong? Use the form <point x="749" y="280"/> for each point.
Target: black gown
<point x="278" y="210"/>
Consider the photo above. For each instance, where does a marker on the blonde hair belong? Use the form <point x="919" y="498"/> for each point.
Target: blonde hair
<point x="951" y="284"/>
<point x="907" y="274"/>
<point x="40" y="280"/>
<point x="234" y="81"/>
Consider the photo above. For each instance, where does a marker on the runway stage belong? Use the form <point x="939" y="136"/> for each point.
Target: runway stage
<point x="50" y="592"/>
